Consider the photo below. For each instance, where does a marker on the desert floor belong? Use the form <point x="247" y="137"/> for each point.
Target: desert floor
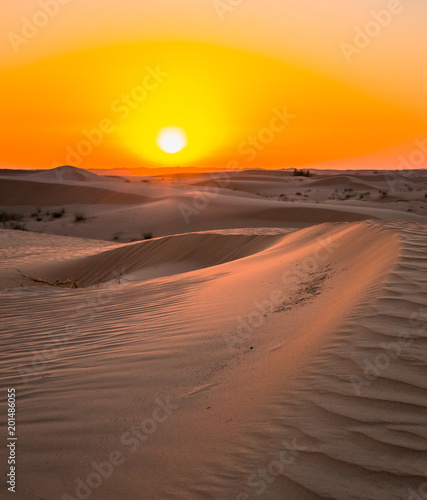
<point x="227" y="335"/>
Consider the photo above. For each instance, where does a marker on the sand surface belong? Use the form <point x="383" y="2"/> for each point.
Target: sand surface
<point x="262" y="344"/>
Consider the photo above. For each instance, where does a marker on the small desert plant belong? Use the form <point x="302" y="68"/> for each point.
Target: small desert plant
<point x="298" y="193"/>
<point x="36" y="212"/>
<point x="6" y="217"/>
<point x="301" y="173"/>
<point x="79" y="217"/>
<point x="116" y="237"/>
<point x="68" y="283"/>
<point x="148" y="235"/>
<point x="58" y="214"/>
<point x="39" y="218"/>
<point x="17" y="226"/>
<point x="383" y="194"/>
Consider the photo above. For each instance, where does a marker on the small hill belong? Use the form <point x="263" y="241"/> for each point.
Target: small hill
<point x="22" y="193"/>
<point x="68" y="173"/>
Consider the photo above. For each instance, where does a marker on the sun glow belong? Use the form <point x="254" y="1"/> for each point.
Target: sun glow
<point x="225" y="103"/>
<point x="171" y="139"/>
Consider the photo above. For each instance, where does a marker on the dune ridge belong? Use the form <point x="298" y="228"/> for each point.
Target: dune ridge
<point x="360" y="405"/>
<point x="154" y="257"/>
<point x="17" y="192"/>
<point x="289" y="379"/>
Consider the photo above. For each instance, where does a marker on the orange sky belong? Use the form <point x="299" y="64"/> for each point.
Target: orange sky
<point x="261" y="84"/>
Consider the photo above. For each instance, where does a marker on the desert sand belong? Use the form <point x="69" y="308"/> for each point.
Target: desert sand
<point x="226" y="335"/>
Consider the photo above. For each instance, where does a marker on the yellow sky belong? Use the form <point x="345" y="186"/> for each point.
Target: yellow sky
<point x="258" y="83"/>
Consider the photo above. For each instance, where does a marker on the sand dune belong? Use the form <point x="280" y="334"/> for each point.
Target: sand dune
<point x="22" y="251"/>
<point x="158" y="257"/>
<point x="283" y="374"/>
<point x="344" y="180"/>
<point x="360" y="405"/>
<point x="68" y="174"/>
<point x="7" y="172"/>
<point x="30" y="193"/>
<point x="260" y="349"/>
<point x="310" y="215"/>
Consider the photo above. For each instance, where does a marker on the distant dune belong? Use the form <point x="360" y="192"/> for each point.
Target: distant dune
<point x="340" y="180"/>
<point x="68" y="173"/>
<point x="31" y="193"/>
<point x="310" y="215"/>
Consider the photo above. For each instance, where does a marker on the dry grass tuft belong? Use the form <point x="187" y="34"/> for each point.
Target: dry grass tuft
<point x="68" y="283"/>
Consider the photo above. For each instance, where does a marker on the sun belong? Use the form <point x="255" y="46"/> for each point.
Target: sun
<point x="171" y="139"/>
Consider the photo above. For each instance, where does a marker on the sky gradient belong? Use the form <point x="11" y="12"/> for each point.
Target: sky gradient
<point x="253" y="84"/>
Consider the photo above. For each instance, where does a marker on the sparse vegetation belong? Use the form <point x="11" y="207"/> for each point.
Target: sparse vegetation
<point x="18" y="226"/>
<point x="58" y="213"/>
<point x="6" y="217"/>
<point x="79" y="217"/>
<point x="68" y="283"/>
<point x="383" y="194"/>
<point x="116" y="237"/>
<point x="301" y="173"/>
<point x="148" y="235"/>
<point x="298" y="193"/>
<point x="36" y="212"/>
